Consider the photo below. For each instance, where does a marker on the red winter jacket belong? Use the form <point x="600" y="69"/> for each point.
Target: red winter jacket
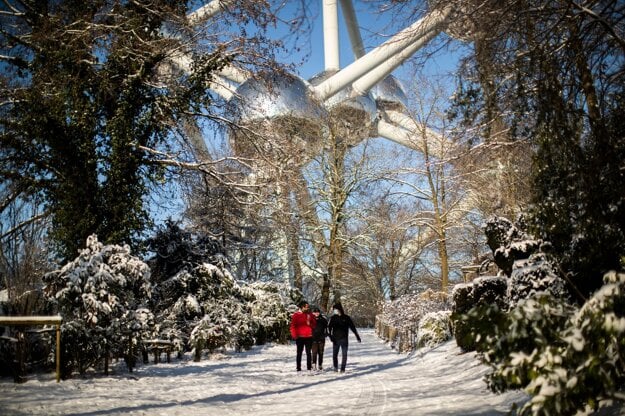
<point x="302" y="325"/>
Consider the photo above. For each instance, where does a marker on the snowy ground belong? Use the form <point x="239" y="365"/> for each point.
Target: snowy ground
<point x="263" y="381"/>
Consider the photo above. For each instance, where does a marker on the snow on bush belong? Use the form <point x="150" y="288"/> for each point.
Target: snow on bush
<point x="538" y="273"/>
<point x="399" y="321"/>
<point x="183" y="300"/>
<point x="569" y="360"/>
<point x="406" y="311"/>
<point x="483" y="292"/>
<point x="531" y="270"/>
<point x="508" y="242"/>
<point x="269" y="302"/>
<point x="434" y="329"/>
<point x="101" y="295"/>
<point x="227" y="322"/>
<point x="206" y="309"/>
<point x="198" y="303"/>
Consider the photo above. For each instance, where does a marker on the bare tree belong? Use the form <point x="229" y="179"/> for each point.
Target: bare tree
<point x="24" y="258"/>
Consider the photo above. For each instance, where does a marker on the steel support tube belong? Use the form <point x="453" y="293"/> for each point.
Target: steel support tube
<point x="403" y="120"/>
<point x="353" y="30"/>
<point x="367" y="81"/>
<point x="234" y="74"/>
<point x="380" y="54"/>
<point x="330" y="35"/>
<point x="222" y="87"/>
<point x="438" y="146"/>
<point x="399" y="135"/>
<point x="207" y="11"/>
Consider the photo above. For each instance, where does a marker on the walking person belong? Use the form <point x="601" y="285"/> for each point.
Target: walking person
<point x="338" y="329"/>
<point x="319" y="339"/>
<point x="302" y="325"/>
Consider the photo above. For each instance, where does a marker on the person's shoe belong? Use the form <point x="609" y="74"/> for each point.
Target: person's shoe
<point x="320" y="368"/>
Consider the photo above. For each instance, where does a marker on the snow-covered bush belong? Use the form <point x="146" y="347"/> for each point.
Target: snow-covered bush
<point x="567" y="359"/>
<point x="483" y="292"/>
<point x="508" y="242"/>
<point x="406" y="311"/>
<point x="206" y="309"/>
<point x="256" y="314"/>
<point x="176" y="249"/>
<point x="142" y="326"/>
<point x="536" y="274"/>
<point x="399" y="321"/>
<point x="100" y="296"/>
<point x="434" y="329"/>
<point x="184" y="299"/>
<point x="268" y="302"/>
<point x="227" y="322"/>
<point x="529" y="269"/>
<point x="199" y="305"/>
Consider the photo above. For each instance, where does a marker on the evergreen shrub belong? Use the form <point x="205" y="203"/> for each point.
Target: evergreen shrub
<point x="434" y="329"/>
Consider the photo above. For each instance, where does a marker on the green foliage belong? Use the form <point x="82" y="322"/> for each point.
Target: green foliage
<point x="567" y="359"/>
<point x="81" y="103"/>
<point x="100" y="296"/>
<point x="471" y="301"/>
<point x="175" y="249"/>
<point x="434" y="329"/>
<point x="579" y="202"/>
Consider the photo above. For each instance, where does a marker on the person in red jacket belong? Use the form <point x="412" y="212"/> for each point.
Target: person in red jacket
<point x="302" y="324"/>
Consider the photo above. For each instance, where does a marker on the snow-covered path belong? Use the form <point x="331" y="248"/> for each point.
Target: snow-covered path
<point x="263" y="381"/>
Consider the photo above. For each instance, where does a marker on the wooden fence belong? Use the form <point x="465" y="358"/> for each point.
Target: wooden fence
<point x="21" y="321"/>
<point x="401" y="339"/>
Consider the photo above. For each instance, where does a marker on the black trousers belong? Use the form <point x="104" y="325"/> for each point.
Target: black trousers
<point x="303" y="343"/>
<point x="341" y="344"/>
<point x="317" y="353"/>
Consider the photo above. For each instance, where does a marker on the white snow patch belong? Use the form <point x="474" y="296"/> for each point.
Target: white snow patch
<point x="263" y="381"/>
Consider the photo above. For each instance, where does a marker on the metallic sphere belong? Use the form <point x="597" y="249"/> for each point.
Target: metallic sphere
<point x="389" y="94"/>
<point x="352" y="117"/>
<point x="276" y="114"/>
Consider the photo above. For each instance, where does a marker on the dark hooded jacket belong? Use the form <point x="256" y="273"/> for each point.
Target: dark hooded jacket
<point x="339" y="325"/>
<point x="321" y="330"/>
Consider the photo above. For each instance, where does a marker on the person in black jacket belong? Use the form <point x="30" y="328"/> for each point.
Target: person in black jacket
<point x="319" y="339"/>
<point x="338" y="329"/>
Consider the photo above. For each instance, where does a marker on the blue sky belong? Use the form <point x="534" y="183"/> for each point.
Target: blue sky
<point x="376" y="27"/>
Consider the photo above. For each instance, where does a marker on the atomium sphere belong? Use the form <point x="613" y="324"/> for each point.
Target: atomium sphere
<point x="352" y="118"/>
<point x="389" y="94"/>
<point x="277" y="119"/>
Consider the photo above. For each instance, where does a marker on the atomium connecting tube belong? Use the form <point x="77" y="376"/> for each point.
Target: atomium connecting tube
<point x="377" y="56"/>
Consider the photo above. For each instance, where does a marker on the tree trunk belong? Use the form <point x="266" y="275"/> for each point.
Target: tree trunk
<point x="444" y="259"/>
<point x="587" y="81"/>
<point x="293" y="253"/>
<point x="325" y="292"/>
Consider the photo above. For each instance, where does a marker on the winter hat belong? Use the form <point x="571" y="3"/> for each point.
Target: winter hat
<point x="339" y="308"/>
<point x="302" y="303"/>
<point x="316" y="309"/>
